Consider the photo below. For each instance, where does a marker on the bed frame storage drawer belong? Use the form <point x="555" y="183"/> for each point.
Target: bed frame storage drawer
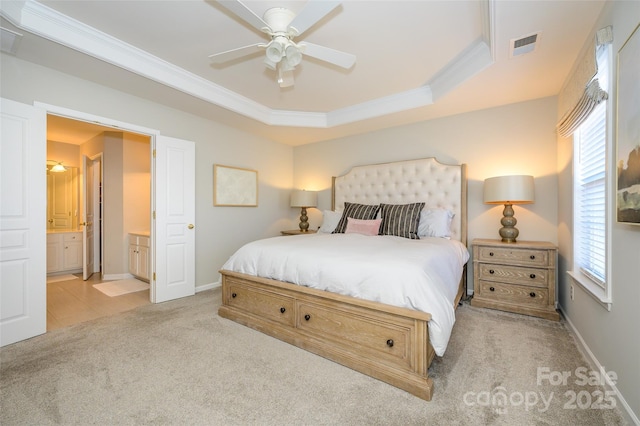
<point x="384" y="340"/>
<point x="265" y="304"/>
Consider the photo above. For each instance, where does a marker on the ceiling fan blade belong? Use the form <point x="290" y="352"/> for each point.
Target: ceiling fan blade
<point x="243" y="12"/>
<point x="285" y="78"/>
<point x="230" y="55"/>
<point x="312" y="13"/>
<point x="341" y="59"/>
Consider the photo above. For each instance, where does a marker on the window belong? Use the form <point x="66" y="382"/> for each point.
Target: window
<point x="590" y="193"/>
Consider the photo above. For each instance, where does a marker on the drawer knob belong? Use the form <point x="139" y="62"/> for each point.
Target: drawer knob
<point x="490" y="253"/>
<point x="492" y="289"/>
<point x="282" y="310"/>
<point x="233" y="295"/>
<point x="390" y="343"/>
<point x="532" y="257"/>
<point x="532" y="276"/>
<point x="491" y="271"/>
<point x="307" y="317"/>
<point x="532" y="294"/>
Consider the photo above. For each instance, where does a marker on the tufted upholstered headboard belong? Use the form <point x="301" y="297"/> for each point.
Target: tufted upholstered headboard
<point x="438" y="185"/>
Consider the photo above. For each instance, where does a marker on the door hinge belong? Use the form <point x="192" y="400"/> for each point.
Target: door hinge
<point x="154" y="214"/>
<point x="154" y="153"/>
<point x="154" y="276"/>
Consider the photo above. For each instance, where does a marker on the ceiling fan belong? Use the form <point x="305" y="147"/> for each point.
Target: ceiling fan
<point x="282" y="53"/>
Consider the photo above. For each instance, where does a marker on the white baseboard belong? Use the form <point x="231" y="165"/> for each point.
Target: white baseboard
<point x="595" y="364"/>
<point x="208" y="286"/>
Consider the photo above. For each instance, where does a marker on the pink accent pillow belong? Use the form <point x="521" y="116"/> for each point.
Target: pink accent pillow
<point x="365" y="227"/>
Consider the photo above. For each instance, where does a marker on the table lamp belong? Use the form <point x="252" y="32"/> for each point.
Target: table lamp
<point x="304" y="199"/>
<point x="509" y="190"/>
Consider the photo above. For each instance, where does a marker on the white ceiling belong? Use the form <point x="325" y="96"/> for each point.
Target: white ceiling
<point x="416" y="60"/>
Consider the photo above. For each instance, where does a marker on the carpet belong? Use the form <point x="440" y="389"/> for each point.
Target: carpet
<point x="118" y="288"/>
<point x="179" y="363"/>
<point x="58" y="278"/>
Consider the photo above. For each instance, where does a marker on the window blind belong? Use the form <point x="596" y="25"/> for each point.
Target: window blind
<point x="591" y="196"/>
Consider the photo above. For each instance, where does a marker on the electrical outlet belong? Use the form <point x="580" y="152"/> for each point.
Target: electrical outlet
<point x="571" y="291"/>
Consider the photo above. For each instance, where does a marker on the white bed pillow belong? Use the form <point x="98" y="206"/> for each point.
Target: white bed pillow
<point x="330" y="220"/>
<point x="435" y="223"/>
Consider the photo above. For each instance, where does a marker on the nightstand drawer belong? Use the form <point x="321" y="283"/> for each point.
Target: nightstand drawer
<point x="518" y="294"/>
<point x="529" y="257"/>
<point x="514" y="274"/>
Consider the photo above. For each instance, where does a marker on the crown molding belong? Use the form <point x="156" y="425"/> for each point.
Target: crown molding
<point x="45" y="22"/>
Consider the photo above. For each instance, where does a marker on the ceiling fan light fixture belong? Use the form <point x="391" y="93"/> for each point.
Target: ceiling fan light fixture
<point x="282" y="54"/>
<point x="285" y="66"/>
<point x="270" y="64"/>
<point x="276" y="49"/>
<point x="293" y="55"/>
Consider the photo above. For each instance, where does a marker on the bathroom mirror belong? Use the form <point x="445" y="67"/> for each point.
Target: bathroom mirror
<point x="62" y="199"/>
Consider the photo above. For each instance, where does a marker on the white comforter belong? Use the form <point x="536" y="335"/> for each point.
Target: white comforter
<point x="417" y="274"/>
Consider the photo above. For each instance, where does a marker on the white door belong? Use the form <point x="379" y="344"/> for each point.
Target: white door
<point x="173" y="193"/>
<point x="87" y="219"/>
<point x="23" y="197"/>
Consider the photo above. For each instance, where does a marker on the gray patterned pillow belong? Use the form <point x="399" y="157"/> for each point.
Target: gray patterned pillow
<point x="356" y="211"/>
<point x="401" y="220"/>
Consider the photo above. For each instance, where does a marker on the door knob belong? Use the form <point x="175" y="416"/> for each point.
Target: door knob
<point x="83" y="223"/>
<point x="190" y="226"/>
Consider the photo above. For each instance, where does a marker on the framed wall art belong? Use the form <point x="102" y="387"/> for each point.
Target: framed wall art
<point x="235" y="187"/>
<point x="628" y="131"/>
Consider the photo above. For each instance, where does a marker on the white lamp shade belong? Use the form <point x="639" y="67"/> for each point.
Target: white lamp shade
<point x="274" y="51"/>
<point x="517" y="189"/>
<point x="302" y="198"/>
<point x="293" y="55"/>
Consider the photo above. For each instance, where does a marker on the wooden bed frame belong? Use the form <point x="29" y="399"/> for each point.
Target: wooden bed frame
<point x="382" y="341"/>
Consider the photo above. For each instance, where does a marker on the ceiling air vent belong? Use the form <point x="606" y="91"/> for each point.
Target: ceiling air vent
<point x="524" y="44"/>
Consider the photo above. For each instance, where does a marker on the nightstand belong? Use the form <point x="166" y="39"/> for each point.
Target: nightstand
<point x="515" y="277"/>
<point x="297" y="232"/>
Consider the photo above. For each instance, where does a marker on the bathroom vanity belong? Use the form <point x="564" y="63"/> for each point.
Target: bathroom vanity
<point x="64" y="251"/>
<point x="139" y="243"/>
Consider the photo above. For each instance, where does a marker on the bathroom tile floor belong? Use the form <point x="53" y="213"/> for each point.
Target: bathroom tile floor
<point x="74" y="301"/>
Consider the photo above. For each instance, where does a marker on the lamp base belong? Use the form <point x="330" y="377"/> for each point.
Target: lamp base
<point x="508" y="232"/>
<point x="304" y="220"/>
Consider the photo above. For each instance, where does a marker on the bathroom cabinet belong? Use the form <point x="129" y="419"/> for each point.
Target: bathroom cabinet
<point x="64" y="252"/>
<point x="139" y="255"/>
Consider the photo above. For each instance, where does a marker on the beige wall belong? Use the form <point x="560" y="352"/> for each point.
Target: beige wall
<point x="63" y="152"/>
<point x="136" y="188"/>
<point x="611" y="336"/>
<point x="113" y="258"/>
<point x="514" y="139"/>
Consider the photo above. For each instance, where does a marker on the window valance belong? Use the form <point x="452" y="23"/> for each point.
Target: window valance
<point x="583" y="92"/>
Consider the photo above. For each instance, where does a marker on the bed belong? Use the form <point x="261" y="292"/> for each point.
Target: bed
<point x="388" y="337"/>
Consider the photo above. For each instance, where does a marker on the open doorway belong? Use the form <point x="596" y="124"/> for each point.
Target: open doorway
<point x="92" y="270"/>
<point x="172" y="238"/>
